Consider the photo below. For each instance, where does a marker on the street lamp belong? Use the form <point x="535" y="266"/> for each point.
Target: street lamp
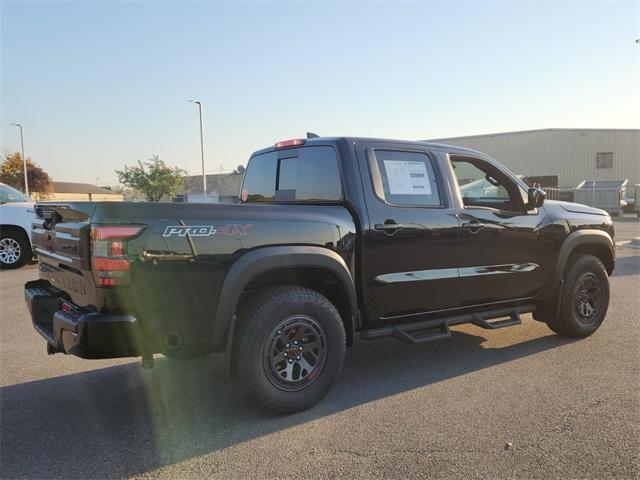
<point x="24" y="159"/>
<point x="204" y="177"/>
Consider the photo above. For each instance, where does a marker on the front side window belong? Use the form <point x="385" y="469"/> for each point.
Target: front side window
<point x="407" y="178"/>
<point x="482" y="185"/>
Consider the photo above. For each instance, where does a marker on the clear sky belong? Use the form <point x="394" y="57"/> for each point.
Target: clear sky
<point x="100" y="85"/>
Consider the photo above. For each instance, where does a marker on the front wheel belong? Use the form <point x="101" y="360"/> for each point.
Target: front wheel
<point x="15" y="250"/>
<point x="290" y="348"/>
<point x="585" y="298"/>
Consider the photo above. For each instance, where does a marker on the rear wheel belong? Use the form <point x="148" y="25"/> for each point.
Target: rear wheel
<point x="585" y="298"/>
<point x="15" y="250"/>
<point x="290" y="348"/>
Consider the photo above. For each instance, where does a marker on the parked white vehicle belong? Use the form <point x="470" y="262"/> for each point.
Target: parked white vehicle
<point x="16" y="215"/>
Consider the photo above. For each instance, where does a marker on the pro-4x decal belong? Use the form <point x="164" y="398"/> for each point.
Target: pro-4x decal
<point x="206" y="230"/>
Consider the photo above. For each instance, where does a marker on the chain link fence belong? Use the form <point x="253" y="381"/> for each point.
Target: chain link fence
<point x="614" y="199"/>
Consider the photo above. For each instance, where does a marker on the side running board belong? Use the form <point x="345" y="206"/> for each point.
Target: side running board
<point x="482" y="319"/>
<point x="435" y="329"/>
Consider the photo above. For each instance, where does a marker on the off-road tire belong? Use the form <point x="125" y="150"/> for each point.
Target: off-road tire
<point x="570" y="322"/>
<point x="17" y="240"/>
<point x="260" y="320"/>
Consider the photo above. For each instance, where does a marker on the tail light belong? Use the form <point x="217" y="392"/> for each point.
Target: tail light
<point x="109" y="253"/>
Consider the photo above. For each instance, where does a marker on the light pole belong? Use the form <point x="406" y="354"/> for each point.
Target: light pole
<point x="24" y="159"/>
<point x="204" y="177"/>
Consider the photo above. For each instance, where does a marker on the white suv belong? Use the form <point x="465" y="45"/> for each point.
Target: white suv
<point x="16" y="214"/>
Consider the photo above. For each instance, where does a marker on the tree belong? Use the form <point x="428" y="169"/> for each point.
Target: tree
<point x="239" y="170"/>
<point x="153" y="179"/>
<point x="12" y="173"/>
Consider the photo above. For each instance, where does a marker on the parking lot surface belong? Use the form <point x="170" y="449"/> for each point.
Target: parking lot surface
<point x="513" y="403"/>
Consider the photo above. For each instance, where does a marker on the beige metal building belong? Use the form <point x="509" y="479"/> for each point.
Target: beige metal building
<point x="571" y="155"/>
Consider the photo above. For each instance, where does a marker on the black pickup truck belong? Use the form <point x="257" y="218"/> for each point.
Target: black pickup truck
<point x="332" y="237"/>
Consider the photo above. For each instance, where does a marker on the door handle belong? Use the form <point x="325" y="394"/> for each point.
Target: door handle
<point x="388" y="227"/>
<point x="473" y="227"/>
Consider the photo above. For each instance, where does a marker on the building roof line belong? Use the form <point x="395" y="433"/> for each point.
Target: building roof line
<point x="539" y="130"/>
<point x="80" y="188"/>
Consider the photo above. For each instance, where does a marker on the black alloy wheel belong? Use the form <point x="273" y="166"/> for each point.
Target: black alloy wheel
<point x="295" y="353"/>
<point x="289" y="347"/>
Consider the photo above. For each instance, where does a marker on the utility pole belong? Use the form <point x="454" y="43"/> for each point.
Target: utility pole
<point x="24" y="160"/>
<point x="204" y="176"/>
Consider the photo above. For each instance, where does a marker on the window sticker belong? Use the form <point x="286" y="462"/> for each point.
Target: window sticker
<point x="407" y="178"/>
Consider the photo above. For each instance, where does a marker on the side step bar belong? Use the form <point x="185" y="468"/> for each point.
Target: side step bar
<point x="435" y="329"/>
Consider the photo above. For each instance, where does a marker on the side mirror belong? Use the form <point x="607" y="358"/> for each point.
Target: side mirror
<point x="535" y="197"/>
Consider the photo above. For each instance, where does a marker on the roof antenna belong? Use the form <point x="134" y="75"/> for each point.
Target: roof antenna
<point x="312" y="135"/>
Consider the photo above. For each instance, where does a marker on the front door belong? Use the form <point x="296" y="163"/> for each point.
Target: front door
<point x="504" y="253"/>
<point x="412" y="234"/>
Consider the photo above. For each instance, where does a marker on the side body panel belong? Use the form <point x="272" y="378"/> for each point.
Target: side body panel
<point x="178" y="265"/>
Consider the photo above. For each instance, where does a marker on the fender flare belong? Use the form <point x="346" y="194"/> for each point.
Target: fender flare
<point x="575" y="240"/>
<point x="262" y="260"/>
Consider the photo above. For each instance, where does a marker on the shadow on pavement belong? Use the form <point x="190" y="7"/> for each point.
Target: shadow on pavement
<point x="120" y="421"/>
<point x="627" y="265"/>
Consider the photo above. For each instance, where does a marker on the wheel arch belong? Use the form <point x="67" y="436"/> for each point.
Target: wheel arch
<point x="11" y="226"/>
<point x="307" y="266"/>
<point x="587" y="241"/>
<point x="591" y="241"/>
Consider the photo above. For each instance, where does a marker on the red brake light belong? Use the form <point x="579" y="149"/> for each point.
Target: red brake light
<point x="123" y="231"/>
<point x="294" y="142"/>
<point x="102" y="264"/>
<point x="109" y="248"/>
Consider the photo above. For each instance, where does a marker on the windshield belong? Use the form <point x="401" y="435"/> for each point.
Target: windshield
<point x="10" y="195"/>
<point x="482" y="188"/>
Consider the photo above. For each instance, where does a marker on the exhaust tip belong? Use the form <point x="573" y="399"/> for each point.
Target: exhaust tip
<point x="173" y="341"/>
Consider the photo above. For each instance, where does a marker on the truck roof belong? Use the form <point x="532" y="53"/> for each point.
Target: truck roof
<point x="333" y="140"/>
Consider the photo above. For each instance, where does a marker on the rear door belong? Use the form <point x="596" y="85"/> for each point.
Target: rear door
<point x="412" y="236"/>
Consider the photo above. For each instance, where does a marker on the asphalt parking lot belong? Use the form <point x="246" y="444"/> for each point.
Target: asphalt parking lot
<point x="513" y="403"/>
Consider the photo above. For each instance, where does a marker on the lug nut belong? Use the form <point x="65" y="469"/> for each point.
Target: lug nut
<point x="285" y="354"/>
<point x="295" y="342"/>
<point x="290" y="361"/>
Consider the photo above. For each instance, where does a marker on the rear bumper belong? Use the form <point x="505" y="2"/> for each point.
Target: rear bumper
<point x="86" y="335"/>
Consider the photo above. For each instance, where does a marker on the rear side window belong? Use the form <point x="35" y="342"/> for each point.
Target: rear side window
<point x="297" y="175"/>
<point x="405" y="178"/>
<point x="260" y="178"/>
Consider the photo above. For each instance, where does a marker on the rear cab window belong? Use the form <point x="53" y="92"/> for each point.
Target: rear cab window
<point x="306" y="174"/>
